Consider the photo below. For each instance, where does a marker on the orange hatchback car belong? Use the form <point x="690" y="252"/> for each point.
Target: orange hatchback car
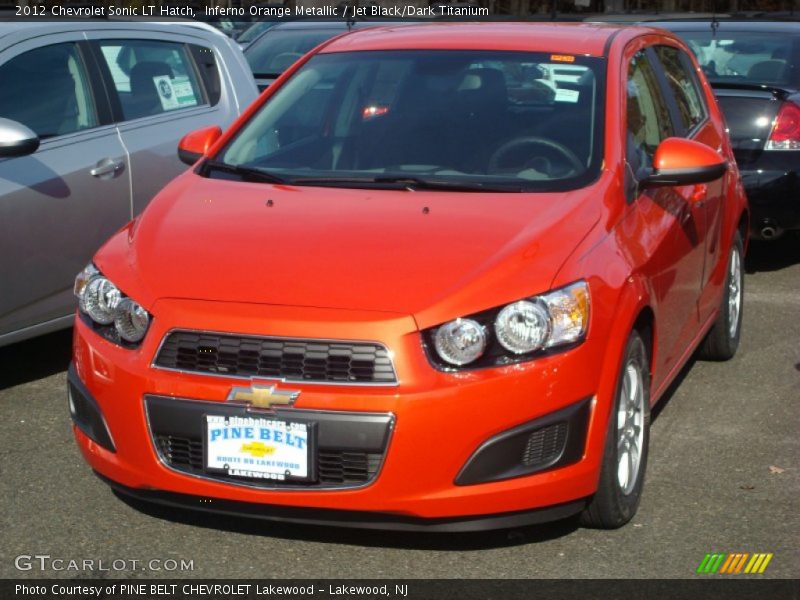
<point x="434" y="278"/>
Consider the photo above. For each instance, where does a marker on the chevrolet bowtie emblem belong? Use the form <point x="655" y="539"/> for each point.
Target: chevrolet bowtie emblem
<point x="263" y="396"/>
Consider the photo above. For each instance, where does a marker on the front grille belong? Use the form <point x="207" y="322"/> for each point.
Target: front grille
<point x="335" y="467"/>
<point x="545" y="445"/>
<point x="277" y="358"/>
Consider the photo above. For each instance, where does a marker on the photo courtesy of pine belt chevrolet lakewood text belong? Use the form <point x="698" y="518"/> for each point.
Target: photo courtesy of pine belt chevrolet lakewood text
<point x="434" y="278"/>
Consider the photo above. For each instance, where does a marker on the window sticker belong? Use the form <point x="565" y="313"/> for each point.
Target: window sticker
<point x="565" y="95"/>
<point x="174" y="93"/>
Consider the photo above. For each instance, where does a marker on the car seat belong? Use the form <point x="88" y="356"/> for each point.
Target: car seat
<point x="38" y="91"/>
<point x="770" y="71"/>
<point x="145" y="100"/>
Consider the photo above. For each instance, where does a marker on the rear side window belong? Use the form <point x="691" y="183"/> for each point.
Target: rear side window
<point x="209" y="72"/>
<point x="151" y="77"/>
<point x="47" y="90"/>
<point x="684" y="86"/>
<point x="648" y="117"/>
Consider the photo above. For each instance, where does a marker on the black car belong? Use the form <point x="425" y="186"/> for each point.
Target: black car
<point x="754" y="68"/>
<point x="278" y="47"/>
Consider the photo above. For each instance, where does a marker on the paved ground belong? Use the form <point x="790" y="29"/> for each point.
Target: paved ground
<point x="724" y="476"/>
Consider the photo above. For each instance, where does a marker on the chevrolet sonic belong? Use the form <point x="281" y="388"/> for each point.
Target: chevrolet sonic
<point x="434" y="278"/>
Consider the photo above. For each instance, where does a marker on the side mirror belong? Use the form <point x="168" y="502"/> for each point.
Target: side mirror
<point x="678" y="161"/>
<point x="16" y="139"/>
<point x="193" y="146"/>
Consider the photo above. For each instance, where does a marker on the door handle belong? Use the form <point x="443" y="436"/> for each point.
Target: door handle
<point x="107" y="167"/>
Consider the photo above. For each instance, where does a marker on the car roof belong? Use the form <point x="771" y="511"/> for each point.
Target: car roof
<point x="589" y="39"/>
<point x="324" y="25"/>
<point x="30" y="28"/>
<point x="749" y="25"/>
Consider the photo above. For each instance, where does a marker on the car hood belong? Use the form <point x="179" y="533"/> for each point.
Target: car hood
<point x="396" y="251"/>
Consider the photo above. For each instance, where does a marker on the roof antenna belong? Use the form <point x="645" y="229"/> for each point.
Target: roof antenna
<point x="351" y="16"/>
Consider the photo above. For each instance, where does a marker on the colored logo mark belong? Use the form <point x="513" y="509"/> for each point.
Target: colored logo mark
<point x="735" y="564"/>
<point x="257" y="449"/>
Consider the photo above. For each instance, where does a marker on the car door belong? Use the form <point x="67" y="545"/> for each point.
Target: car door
<point x="672" y="236"/>
<point x="691" y="115"/>
<point x="59" y="204"/>
<point x="161" y="89"/>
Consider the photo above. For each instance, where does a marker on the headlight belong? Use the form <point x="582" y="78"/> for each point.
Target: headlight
<point x="569" y="314"/>
<point x="513" y="333"/>
<point x="100" y="300"/>
<point x="461" y="341"/>
<point x="131" y="321"/>
<point x="111" y="314"/>
<point x="523" y="326"/>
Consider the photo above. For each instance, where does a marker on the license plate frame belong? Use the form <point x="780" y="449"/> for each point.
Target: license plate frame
<point x="252" y="472"/>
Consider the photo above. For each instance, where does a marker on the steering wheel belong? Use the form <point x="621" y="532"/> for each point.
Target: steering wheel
<point x="505" y="149"/>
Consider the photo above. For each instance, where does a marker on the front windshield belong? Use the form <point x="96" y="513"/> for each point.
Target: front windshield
<point x="509" y="120"/>
<point x="272" y="54"/>
<point x="745" y="57"/>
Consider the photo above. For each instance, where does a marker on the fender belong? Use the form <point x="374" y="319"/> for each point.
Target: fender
<point x="633" y="299"/>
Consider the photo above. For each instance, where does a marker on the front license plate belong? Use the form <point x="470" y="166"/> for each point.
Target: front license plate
<point x="257" y="448"/>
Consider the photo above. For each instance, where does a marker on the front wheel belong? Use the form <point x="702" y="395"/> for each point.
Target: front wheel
<point x="722" y="340"/>
<point x="627" y="439"/>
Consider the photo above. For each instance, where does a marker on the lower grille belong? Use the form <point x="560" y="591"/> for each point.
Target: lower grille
<point x="336" y="467"/>
<point x="545" y="445"/>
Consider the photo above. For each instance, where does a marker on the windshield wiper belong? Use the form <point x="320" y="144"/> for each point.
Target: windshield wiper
<point x="250" y="174"/>
<point x="409" y="182"/>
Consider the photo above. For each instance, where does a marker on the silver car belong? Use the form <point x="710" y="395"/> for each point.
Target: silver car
<point x="90" y="117"/>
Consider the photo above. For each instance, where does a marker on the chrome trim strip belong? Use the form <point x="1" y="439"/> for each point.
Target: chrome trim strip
<point x="394" y="383"/>
<point x="286" y="487"/>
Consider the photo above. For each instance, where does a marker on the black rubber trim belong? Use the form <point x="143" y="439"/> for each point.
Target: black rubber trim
<point x="609" y="41"/>
<point x="87" y="416"/>
<point x="368" y="432"/>
<point x="19" y="148"/>
<point x="500" y="457"/>
<point x="354" y="519"/>
<point x="187" y="157"/>
<point x="670" y="177"/>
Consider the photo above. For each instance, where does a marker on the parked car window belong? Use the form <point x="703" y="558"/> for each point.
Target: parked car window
<point x="151" y="77"/>
<point x="509" y="118"/>
<point x="255" y="30"/>
<point x="648" y="117"/>
<point x="209" y="72"/>
<point x="683" y="84"/>
<point x="745" y="57"/>
<point x="275" y="51"/>
<point x="47" y="89"/>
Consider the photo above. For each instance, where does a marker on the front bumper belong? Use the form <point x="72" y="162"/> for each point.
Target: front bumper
<point x="423" y="431"/>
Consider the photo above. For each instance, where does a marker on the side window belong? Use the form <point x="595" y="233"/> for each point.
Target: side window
<point x="684" y="86"/>
<point x="648" y="117"/>
<point x="209" y="72"/>
<point x="47" y="89"/>
<point x="151" y="77"/>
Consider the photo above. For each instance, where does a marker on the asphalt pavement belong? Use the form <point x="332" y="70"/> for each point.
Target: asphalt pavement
<point x="723" y="476"/>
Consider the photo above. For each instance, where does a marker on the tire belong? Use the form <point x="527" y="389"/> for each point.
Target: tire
<point x="722" y="340"/>
<point x="619" y="491"/>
